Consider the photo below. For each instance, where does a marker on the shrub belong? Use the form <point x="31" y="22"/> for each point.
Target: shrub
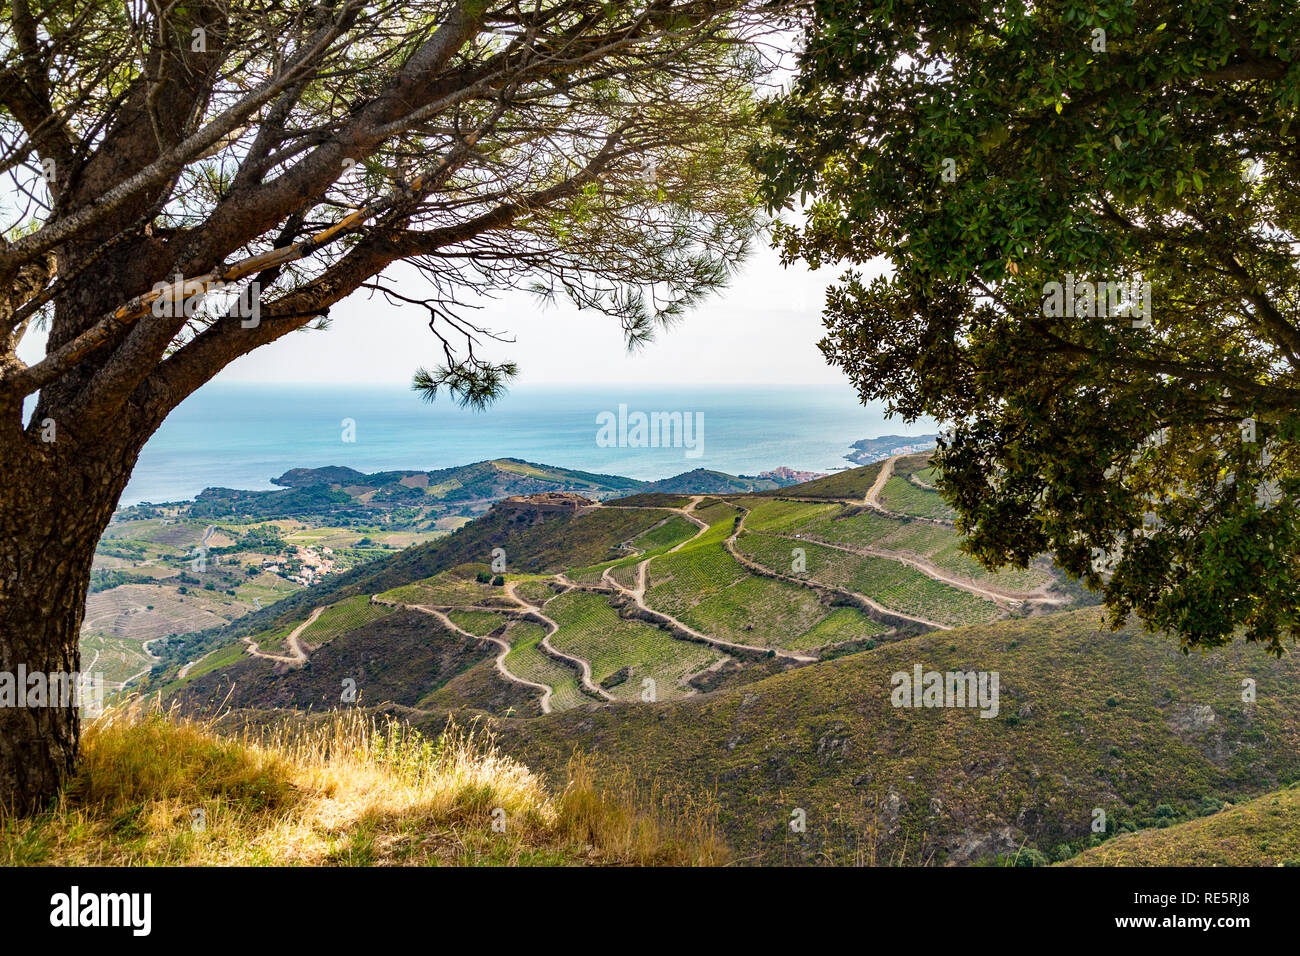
<point x="1031" y="857"/>
<point x="1210" y="805"/>
<point x="1063" y="853"/>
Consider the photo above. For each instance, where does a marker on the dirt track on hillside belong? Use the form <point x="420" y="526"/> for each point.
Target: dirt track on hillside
<point x="299" y="655"/>
<point x="499" y="662"/>
<point x="876" y="606"/>
<point x="637" y="595"/>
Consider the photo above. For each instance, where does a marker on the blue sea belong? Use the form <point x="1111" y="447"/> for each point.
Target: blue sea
<point x="243" y="435"/>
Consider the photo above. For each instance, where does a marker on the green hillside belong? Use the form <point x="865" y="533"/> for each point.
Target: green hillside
<point x="852" y="484"/>
<point x="1087" y="719"/>
<point x="315" y="490"/>
<point x="701" y="481"/>
<point x="1260" y="832"/>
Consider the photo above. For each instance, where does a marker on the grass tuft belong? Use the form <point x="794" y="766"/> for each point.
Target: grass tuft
<point x="154" y="789"/>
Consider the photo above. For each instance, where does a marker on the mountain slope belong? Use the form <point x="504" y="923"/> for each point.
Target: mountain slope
<point x="401" y="658"/>
<point x="679" y="636"/>
<point x="1088" y="719"/>
<point x="309" y="491"/>
<point x="701" y="481"/>
<point x="1264" y="831"/>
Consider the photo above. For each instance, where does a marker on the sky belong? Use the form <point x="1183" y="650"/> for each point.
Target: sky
<point x="762" y="329"/>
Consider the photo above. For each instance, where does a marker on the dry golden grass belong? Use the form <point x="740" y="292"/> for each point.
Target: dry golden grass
<point x="605" y="808"/>
<point x="153" y="789"/>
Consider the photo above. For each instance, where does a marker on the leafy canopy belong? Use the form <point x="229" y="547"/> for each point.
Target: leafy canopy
<point x="985" y="151"/>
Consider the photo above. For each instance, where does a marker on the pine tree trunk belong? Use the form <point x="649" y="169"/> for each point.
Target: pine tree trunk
<point x="56" y="499"/>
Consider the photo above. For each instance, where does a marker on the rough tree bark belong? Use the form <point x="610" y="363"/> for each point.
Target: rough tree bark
<point x="56" y="500"/>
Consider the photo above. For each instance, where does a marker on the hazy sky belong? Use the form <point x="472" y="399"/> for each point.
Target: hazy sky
<point x="763" y="329"/>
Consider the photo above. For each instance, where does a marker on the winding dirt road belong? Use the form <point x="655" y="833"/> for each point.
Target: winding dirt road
<point x="639" y="591"/>
<point x="1001" y="597"/>
<point x="552" y="627"/>
<point x="145" y="647"/>
<point x="874" y="605"/>
<point x="637" y="596"/>
<point x="499" y="662"/>
<point x="872" y="500"/>
<point x="299" y="654"/>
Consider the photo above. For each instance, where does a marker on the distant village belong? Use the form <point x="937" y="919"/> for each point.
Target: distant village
<point x="307" y="565"/>
<point x="790" y="475"/>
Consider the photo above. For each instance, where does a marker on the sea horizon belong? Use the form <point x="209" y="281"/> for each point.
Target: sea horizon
<point x="244" y="434"/>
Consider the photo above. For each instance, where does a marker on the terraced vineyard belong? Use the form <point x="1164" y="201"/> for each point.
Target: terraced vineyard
<point x="779" y="516"/>
<point x="658" y="540"/>
<point x="714" y="512"/>
<point x="707" y="589"/>
<point x="169" y="537"/>
<point x="917" y="464"/>
<point x="480" y="623"/>
<point x="218" y="659"/>
<point x="535" y="590"/>
<point x="115" y="658"/>
<point x="854" y="527"/>
<point x="143" y="612"/>
<point x="850" y="485"/>
<point x="941" y="546"/>
<point x="272" y="641"/>
<point x="902" y="496"/>
<point x="842" y="625"/>
<point x="671" y="533"/>
<point x="339" y="618"/>
<point x="449" y="589"/>
<point x="906" y="589"/>
<point x="592" y="630"/>
<point x="625" y="575"/>
<point x="591" y="575"/>
<point x="892" y="584"/>
<point x="925" y="477"/>
<point x="839" y="524"/>
<point x="527" y="660"/>
<point x="782" y="554"/>
<point x="761" y="612"/>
